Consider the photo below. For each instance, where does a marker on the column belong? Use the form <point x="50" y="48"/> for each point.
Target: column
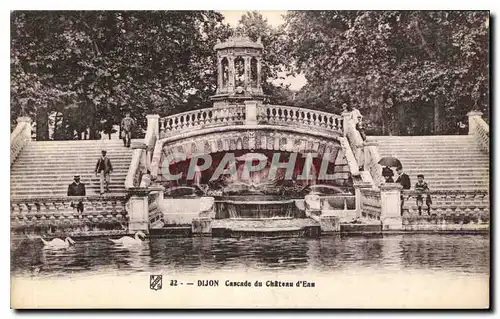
<point x="153" y="122"/>
<point x="473" y="116"/>
<point x="219" y="74"/>
<point x="247" y="73"/>
<point x="390" y="202"/>
<point x="357" y="193"/>
<point x="258" y="72"/>
<point x="231" y="73"/>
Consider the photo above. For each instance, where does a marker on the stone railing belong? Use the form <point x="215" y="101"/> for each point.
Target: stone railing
<point x="237" y="115"/>
<point x="288" y="115"/>
<point x="19" y="137"/>
<point x="371" y="205"/>
<point x="198" y="119"/>
<point x="56" y="214"/>
<point x="480" y="129"/>
<point x="449" y="206"/>
<point x="372" y="157"/>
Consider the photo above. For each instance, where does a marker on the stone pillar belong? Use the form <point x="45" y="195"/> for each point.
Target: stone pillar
<point x="390" y="202"/>
<point x="153" y="120"/>
<point x="357" y="193"/>
<point x="472" y="123"/>
<point x="258" y="72"/>
<point x="219" y="74"/>
<point x="247" y="73"/>
<point x="251" y="112"/>
<point x="231" y="75"/>
<point x="346" y="116"/>
<point x="138" y="212"/>
<point x="27" y="128"/>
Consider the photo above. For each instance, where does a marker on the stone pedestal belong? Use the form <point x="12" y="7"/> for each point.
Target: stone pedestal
<point x="357" y="192"/>
<point x="472" y="124"/>
<point x="153" y="127"/>
<point x="138" y="212"/>
<point x="251" y="112"/>
<point x="27" y="128"/>
<point x="391" y="206"/>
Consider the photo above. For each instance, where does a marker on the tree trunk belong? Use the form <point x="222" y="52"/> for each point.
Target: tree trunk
<point x="92" y="121"/>
<point x="438" y="115"/>
<point x="42" y="123"/>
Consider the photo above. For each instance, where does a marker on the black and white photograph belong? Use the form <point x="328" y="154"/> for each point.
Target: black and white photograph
<point x="181" y="159"/>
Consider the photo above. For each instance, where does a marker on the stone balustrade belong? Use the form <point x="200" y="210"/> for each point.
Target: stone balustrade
<point x="371" y="204"/>
<point x="19" y="137"/>
<point x="452" y="206"/>
<point x="58" y="215"/>
<point x="480" y="129"/>
<point x="198" y="119"/>
<point x="288" y="115"/>
<point x="237" y="115"/>
<point x="372" y="157"/>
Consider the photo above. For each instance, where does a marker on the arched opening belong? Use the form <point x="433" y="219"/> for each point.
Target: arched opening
<point x="239" y="68"/>
<point x="225" y="72"/>
<point x="253" y="71"/>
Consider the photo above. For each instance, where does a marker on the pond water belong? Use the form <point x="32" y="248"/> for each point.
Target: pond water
<point x="449" y="253"/>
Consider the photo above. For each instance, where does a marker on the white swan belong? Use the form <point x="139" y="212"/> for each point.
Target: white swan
<point x="128" y="240"/>
<point x="58" y="243"/>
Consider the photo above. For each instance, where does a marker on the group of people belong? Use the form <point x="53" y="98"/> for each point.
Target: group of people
<point x="421" y="187"/>
<point x="103" y="167"/>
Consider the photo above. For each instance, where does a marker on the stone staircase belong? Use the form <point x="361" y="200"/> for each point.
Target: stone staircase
<point x="452" y="162"/>
<point x="45" y="169"/>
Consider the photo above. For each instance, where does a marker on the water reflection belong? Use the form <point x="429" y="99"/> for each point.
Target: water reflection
<point x="447" y="252"/>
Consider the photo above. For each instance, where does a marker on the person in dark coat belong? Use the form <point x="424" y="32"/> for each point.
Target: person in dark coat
<point x="404" y="180"/>
<point x="387" y="173"/>
<point x="77" y="189"/>
<point x="104" y="168"/>
<point x="422" y="189"/>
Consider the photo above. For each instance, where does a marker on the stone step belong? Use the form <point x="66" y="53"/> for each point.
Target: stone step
<point x="34" y="184"/>
<point x="65" y="168"/>
<point x="53" y="193"/>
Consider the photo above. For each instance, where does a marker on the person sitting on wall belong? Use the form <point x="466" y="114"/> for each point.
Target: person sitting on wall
<point x="77" y="189"/>
<point x="422" y="188"/>
<point x="387" y="173"/>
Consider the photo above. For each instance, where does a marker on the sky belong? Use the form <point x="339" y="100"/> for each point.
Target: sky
<point x="274" y="18"/>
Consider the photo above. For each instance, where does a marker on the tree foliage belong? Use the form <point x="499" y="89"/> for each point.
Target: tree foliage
<point x="93" y="65"/>
<point x="411" y="72"/>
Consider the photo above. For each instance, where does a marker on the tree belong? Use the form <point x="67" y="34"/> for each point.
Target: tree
<point x="404" y="69"/>
<point x="94" y="65"/>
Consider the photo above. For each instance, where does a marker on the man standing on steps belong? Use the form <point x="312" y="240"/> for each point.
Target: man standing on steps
<point x="104" y="168"/>
<point x="77" y="189"/>
<point x="127" y="125"/>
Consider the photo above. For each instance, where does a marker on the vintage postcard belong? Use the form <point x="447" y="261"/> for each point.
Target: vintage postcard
<point x="250" y="159"/>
